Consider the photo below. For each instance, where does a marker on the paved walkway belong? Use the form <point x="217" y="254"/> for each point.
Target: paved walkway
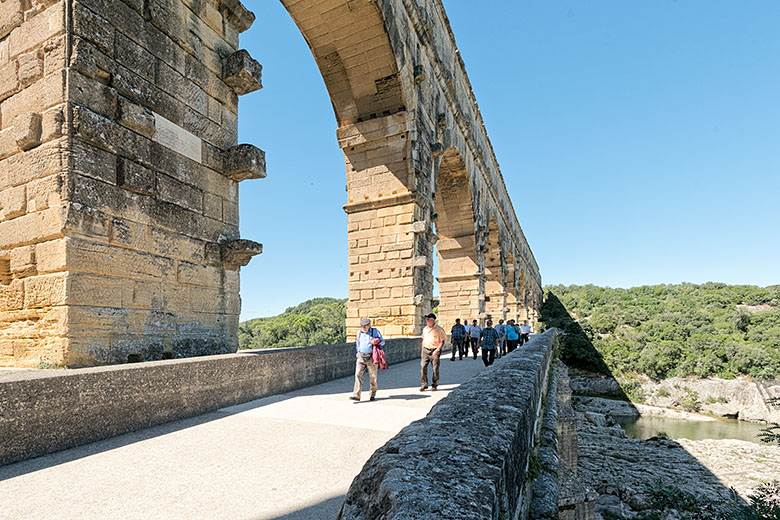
<point x="290" y="456"/>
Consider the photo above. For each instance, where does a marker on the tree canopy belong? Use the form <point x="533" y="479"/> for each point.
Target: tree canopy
<point x="320" y="321"/>
<point x="712" y="329"/>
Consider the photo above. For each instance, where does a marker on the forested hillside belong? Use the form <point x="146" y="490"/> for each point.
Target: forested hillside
<point x="682" y="330"/>
<point x="320" y="321"/>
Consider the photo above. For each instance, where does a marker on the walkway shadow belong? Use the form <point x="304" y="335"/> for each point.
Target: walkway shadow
<point x="326" y="509"/>
<point x="577" y="349"/>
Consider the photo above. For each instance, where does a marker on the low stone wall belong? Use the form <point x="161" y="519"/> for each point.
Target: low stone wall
<point x="468" y="458"/>
<point x="47" y="411"/>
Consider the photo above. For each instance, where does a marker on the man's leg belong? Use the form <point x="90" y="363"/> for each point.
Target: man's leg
<point x="424" y="369"/>
<point x="491" y="356"/>
<point x="360" y="370"/>
<point x="435" y="361"/>
<point x="454" y="349"/>
<point x="485" y="356"/>
<point x="372" y="378"/>
<point x="474" y="342"/>
<point x="462" y="348"/>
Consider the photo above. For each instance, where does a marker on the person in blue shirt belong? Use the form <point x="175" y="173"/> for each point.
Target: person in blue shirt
<point x="501" y="329"/>
<point x="488" y="342"/>
<point x="458" y="335"/>
<point x="512" y="335"/>
<point x="364" y="346"/>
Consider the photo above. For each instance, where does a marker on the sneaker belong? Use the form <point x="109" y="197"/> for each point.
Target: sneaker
<point x="423" y="388"/>
<point x="354" y="398"/>
<point x="433" y="388"/>
<point x="452" y="359"/>
<point x="372" y="398"/>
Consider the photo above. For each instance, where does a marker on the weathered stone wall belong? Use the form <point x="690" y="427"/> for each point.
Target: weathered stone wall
<point x="46" y="411"/>
<point x="119" y="186"/>
<point x="469" y="457"/>
<point x="33" y="214"/>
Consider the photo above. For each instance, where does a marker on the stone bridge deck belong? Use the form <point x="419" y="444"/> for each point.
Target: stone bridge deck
<point x="289" y="456"/>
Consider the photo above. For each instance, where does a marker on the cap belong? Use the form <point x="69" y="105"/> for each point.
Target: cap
<point x="364" y="322"/>
<point x="431" y="315"/>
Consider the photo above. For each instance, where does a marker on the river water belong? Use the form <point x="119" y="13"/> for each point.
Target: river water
<point x="647" y="426"/>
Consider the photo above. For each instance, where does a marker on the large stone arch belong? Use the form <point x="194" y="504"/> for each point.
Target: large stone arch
<point x="134" y="165"/>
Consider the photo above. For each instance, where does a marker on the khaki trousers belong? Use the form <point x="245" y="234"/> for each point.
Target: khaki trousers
<point x="361" y="365"/>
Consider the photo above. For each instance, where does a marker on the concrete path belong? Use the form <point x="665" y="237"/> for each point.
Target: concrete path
<point x="290" y="456"/>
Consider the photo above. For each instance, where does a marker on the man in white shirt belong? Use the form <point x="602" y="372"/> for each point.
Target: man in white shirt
<point x="525" y="331"/>
<point x="433" y="338"/>
<point x="475" y="332"/>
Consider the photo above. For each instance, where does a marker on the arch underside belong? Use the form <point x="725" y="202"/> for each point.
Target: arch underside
<point x="352" y="49"/>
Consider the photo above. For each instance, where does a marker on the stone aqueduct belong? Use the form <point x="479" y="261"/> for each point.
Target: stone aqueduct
<point x="119" y="173"/>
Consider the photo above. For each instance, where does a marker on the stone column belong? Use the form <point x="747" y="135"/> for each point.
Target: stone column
<point x="388" y="234"/>
<point x="119" y="195"/>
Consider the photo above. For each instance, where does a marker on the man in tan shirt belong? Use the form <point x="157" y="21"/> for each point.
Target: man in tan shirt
<point x="433" y="338"/>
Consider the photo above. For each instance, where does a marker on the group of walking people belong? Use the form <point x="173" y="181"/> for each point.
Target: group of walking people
<point x="494" y="342"/>
<point x="501" y="339"/>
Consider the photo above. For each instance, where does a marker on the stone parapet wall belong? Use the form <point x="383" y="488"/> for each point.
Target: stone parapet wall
<point x="47" y="411"/>
<point x="468" y="458"/>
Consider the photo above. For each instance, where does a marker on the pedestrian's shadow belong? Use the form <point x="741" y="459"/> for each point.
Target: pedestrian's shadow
<point x="407" y="397"/>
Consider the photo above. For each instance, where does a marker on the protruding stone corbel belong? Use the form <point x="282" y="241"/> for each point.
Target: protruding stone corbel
<point x="27" y="130"/>
<point x="437" y="150"/>
<point x="238" y="15"/>
<point x="238" y="253"/>
<point x="242" y="73"/>
<point x="244" y="161"/>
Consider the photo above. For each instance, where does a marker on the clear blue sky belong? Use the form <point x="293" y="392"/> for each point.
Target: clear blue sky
<point x="639" y="141"/>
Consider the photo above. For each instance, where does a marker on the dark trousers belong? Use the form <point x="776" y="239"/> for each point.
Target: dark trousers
<point x="488" y="356"/>
<point x="474" y="345"/>
<point x="427" y="357"/>
<point x="459" y="347"/>
<point x="523" y="338"/>
<point x="511" y="344"/>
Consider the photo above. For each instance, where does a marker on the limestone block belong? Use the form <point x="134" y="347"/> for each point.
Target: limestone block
<point x="45" y="291"/>
<point x="12" y="295"/>
<point x="212" y="206"/>
<point x="44" y="193"/>
<point x="179" y="193"/>
<point x="11" y="16"/>
<point x="93" y="290"/>
<point x="30" y="67"/>
<point x="52" y="122"/>
<point x="195" y="274"/>
<point x="85" y="220"/>
<point x="9" y="80"/>
<point x="51" y="256"/>
<point x="96" y="96"/>
<point x="242" y="73"/>
<point x="83" y="58"/>
<point x="244" y="161"/>
<point x="135" y="57"/>
<point x="94" y="28"/>
<point x="42" y="94"/>
<point x="27" y="130"/>
<point x="4" y="55"/>
<point x="93" y="162"/>
<point x="144" y="295"/>
<point x="13" y="203"/>
<point x="128" y="233"/>
<point x="238" y="253"/>
<point x="54" y="55"/>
